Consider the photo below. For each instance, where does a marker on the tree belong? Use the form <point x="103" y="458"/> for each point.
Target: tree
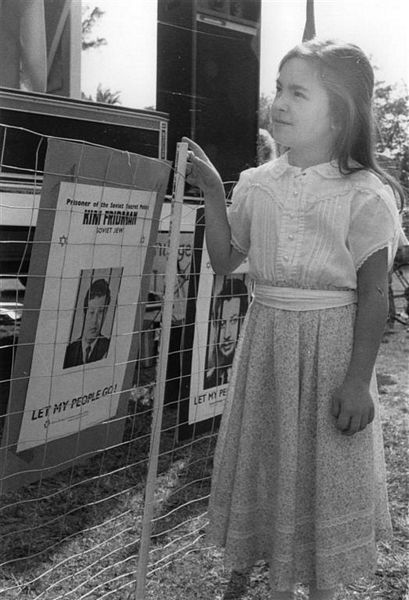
<point x="104" y="96"/>
<point x="89" y="19"/>
<point x="264" y="113"/>
<point x="391" y="105"/>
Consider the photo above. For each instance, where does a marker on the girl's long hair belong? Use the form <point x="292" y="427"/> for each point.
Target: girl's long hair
<point x="348" y="77"/>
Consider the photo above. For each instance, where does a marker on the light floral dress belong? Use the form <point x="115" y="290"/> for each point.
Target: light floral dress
<point x="288" y="487"/>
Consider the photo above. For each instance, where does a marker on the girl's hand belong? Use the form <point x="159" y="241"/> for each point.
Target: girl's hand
<point x="200" y="171"/>
<point x="352" y="406"/>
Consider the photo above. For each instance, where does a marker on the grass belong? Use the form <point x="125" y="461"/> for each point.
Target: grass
<point x="76" y="536"/>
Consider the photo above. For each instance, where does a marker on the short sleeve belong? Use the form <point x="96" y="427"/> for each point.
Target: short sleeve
<point x="374" y="225"/>
<point x="239" y="213"/>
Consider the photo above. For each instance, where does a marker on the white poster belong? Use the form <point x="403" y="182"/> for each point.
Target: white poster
<point x="185" y="252"/>
<point x="220" y="310"/>
<point x="88" y="310"/>
<point x="153" y="310"/>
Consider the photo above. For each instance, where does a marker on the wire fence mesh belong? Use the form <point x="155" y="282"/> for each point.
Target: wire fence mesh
<point x="73" y="529"/>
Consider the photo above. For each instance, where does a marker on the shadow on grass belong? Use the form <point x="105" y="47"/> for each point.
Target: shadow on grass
<point x="35" y="519"/>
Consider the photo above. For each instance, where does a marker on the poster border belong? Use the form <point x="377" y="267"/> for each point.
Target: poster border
<point x="75" y="163"/>
<point x="186" y="431"/>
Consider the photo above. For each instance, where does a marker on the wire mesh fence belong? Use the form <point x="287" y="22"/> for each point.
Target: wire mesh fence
<point x="72" y="515"/>
<point x="78" y="523"/>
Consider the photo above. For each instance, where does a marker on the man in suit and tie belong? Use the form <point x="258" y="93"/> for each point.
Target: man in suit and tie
<point x="91" y="346"/>
<point x="230" y="308"/>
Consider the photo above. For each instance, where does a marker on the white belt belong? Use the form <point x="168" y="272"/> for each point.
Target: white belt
<point x="300" y="299"/>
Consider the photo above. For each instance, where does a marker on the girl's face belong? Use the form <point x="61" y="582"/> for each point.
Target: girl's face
<point x="301" y="114"/>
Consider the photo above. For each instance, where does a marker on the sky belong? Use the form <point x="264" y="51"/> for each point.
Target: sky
<point x="128" y="62"/>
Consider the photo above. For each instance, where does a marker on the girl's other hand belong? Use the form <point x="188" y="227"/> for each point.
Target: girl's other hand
<point x="200" y="172"/>
<point x="352" y="406"/>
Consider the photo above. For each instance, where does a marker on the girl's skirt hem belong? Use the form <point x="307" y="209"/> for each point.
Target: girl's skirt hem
<point x="347" y="570"/>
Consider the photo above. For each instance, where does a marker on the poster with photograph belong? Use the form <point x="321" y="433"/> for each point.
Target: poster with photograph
<point x="153" y="309"/>
<point x="89" y="303"/>
<point x="93" y="316"/>
<point x="184" y="256"/>
<point x="222" y="302"/>
<point x="86" y="286"/>
<point x="228" y="307"/>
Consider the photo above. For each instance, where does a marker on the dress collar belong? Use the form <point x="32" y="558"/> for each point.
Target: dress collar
<point x="328" y="170"/>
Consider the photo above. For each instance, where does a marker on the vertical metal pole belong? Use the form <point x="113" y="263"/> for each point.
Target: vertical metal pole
<point x="167" y="310"/>
<point x="193" y="80"/>
<point x="309" y="30"/>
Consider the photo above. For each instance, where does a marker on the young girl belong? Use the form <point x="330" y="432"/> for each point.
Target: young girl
<point x="299" y="474"/>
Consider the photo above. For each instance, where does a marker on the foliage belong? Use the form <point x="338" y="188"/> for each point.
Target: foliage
<point x="264" y="113"/>
<point x="104" y="96"/>
<point x="391" y="106"/>
<point x="89" y="19"/>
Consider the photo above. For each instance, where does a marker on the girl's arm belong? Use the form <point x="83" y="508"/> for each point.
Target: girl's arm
<point x="352" y="404"/>
<point x="201" y="173"/>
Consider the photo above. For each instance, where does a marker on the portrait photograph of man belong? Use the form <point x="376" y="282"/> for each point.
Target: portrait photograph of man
<point x="93" y="317"/>
<point x="228" y="308"/>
